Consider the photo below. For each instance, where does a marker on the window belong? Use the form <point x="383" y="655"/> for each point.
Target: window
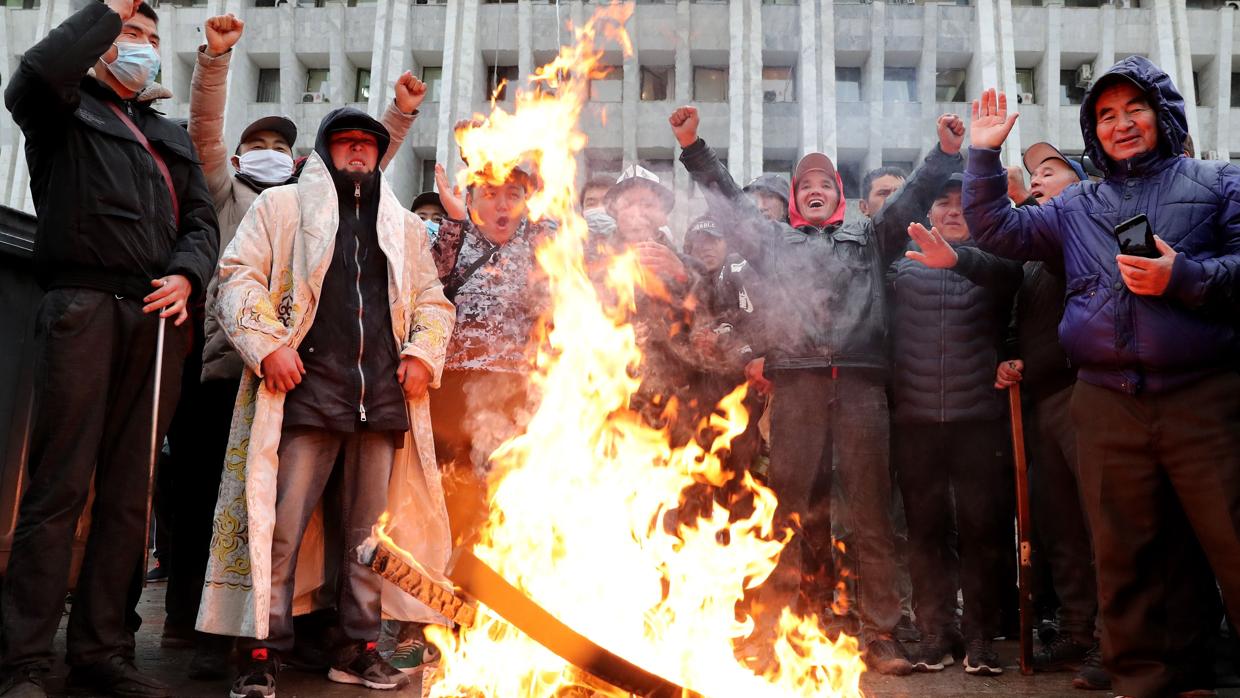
<point x="1025" y="82"/>
<point x="1197" y="87"/>
<point x="433" y="77"/>
<point x="362" y="92"/>
<point x="1082" y="3"/>
<point x="20" y="4"/>
<point x="778" y="84"/>
<point x="609" y="88"/>
<point x="317" y="80"/>
<point x="1204" y="4"/>
<point x="899" y="84"/>
<point x="500" y="77"/>
<point x="428" y="174"/>
<point x="1069" y="91"/>
<point x="268" y="85"/>
<point x="710" y="84"/>
<point x="949" y="85"/>
<point x="847" y="84"/>
<point x="1235" y="89"/>
<point x="355" y="3"/>
<point x="657" y="83"/>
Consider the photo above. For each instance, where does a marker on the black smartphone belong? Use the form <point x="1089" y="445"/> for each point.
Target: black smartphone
<point x="1136" y="237"/>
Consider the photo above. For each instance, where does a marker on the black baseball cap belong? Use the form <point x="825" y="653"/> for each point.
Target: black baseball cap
<point x="279" y="124"/>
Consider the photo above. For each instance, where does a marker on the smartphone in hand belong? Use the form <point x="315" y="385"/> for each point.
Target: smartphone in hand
<point x="1136" y="237"/>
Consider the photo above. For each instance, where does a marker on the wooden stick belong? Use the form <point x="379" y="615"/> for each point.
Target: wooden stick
<point x="1023" y="530"/>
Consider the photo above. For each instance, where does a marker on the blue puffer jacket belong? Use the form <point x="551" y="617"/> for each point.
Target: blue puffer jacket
<point x="1120" y="340"/>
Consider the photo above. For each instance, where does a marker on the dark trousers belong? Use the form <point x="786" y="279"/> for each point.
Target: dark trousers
<point x="94" y="383"/>
<point x="1139" y="454"/>
<point x="956" y="472"/>
<point x="197" y="440"/>
<point x="820" y="421"/>
<point x="1058" y="516"/>
<point x="308" y="458"/>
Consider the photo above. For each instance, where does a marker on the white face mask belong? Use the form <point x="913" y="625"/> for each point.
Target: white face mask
<point x="135" y="66"/>
<point x="267" y="166"/>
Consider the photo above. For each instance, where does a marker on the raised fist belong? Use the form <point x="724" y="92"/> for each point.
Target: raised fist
<point x="410" y="92"/>
<point x="223" y="32"/>
<point x="684" y="123"/>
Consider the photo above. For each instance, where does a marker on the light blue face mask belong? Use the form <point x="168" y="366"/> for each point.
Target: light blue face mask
<point x="432" y="230"/>
<point x="136" y="65"/>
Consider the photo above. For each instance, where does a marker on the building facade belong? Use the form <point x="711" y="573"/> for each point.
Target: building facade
<point x="774" y="79"/>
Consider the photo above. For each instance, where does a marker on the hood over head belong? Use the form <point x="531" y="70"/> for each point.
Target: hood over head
<point x="1166" y="100"/>
<point x="349" y="119"/>
<point x="815" y="161"/>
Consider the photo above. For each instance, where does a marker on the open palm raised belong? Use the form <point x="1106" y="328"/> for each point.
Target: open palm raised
<point x="991" y="121"/>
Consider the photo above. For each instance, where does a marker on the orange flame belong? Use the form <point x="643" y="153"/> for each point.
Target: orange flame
<point x="580" y="502"/>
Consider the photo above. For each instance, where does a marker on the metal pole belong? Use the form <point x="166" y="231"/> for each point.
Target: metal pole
<point x="150" y="480"/>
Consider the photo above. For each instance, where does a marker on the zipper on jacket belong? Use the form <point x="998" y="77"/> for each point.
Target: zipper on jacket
<point x="361" y="328"/>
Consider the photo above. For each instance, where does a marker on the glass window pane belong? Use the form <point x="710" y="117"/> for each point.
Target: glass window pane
<point x="710" y="84"/>
<point x="848" y="84"/>
<point x="1069" y="91"/>
<point x="316" y="79"/>
<point x="656" y="83"/>
<point x="1235" y="89"/>
<point x="268" y="85"/>
<point x="900" y="84"/>
<point x="433" y="77"/>
<point x="949" y="85"/>
<point x="1025" y="81"/>
<point x="362" y="93"/>
<point x="501" y="76"/>
<point x="778" y="84"/>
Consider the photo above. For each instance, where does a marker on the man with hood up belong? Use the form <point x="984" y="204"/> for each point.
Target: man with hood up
<point x="827" y="337"/>
<point x="329" y="294"/>
<point x="263" y="158"/>
<point x="1157" y="400"/>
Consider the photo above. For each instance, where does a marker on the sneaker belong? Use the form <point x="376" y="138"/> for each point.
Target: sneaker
<point x="1062" y="654"/>
<point x="887" y="656"/>
<point x="934" y="654"/>
<point x="361" y="665"/>
<point x="258" y="675"/>
<point x="1091" y="676"/>
<point x="158" y="573"/>
<point x="411" y="656"/>
<point x="24" y="682"/>
<point x="116" y="677"/>
<point x="981" y="659"/>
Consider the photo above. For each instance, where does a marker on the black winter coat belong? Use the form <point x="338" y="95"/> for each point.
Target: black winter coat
<point x="105" y="219"/>
<point x="826" y="285"/>
<point x="948" y="327"/>
<point x="1039" y="309"/>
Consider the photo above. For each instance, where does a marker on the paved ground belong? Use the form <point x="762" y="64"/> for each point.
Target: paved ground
<point x="169" y="665"/>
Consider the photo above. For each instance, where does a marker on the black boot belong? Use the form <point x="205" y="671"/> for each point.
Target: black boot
<point x="117" y="677"/>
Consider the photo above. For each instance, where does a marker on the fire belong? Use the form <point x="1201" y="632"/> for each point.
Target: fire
<point x="584" y="504"/>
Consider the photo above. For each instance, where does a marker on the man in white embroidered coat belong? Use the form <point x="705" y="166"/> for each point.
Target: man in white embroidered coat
<point x="329" y="294"/>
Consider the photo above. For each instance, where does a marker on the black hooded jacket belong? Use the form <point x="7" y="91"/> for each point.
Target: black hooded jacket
<point x="105" y="216"/>
<point x="350" y="383"/>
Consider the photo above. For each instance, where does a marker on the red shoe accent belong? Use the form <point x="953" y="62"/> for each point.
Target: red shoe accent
<point x="259" y="655"/>
<point x="371" y="645"/>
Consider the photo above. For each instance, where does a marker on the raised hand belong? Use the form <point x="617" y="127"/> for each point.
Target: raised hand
<point x="935" y="253"/>
<point x="410" y="92"/>
<point x="449" y="197"/>
<point x="125" y="8"/>
<point x="991" y="121"/>
<point x="223" y="32"/>
<point x="951" y="133"/>
<point x="684" y="123"/>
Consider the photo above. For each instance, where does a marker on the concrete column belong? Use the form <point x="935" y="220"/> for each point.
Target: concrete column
<point x="630" y="96"/>
<point x="1048" y="72"/>
<point x="872" y="85"/>
<point x="1106" y="47"/>
<point x="343" y="86"/>
<point x="737" y="152"/>
<point x="525" y="42"/>
<point x="753" y="51"/>
<point x="1164" y="40"/>
<point x="1184" y="62"/>
<point x="815" y="103"/>
<point x="822" y="109"/>
<point x="928" y="64"/>
<point x="1222" y="82"/>
<point x="1007" y="77"/>
<point x="682" y="185"/>
<point x="10" y="159"/>
<point x="292" y="72"/>
<point x="457" y="102"/>
<point x="391" y="58"/>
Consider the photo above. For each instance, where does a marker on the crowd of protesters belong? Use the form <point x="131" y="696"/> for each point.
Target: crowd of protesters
<point x="329" y="354"/>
